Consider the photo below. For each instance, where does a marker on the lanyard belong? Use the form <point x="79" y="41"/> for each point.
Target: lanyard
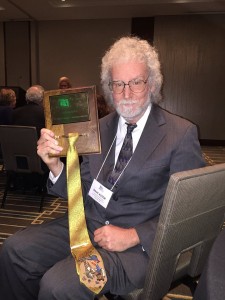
<point x="114" y="165"/>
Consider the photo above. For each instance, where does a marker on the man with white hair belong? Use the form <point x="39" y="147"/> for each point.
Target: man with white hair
<point x="37" y="263"/>
<point x="31" y="114"/>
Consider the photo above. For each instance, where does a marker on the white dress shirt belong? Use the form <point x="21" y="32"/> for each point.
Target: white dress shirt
<point x="136" y="133"/>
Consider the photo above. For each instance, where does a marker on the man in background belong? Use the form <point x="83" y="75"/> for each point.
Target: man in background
<point x="31" y="114"/>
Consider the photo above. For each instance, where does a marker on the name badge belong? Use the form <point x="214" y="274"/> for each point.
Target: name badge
<point x="100" y="193"/>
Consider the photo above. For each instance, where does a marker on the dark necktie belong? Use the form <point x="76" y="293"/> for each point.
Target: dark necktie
<point x="124" y="155"/>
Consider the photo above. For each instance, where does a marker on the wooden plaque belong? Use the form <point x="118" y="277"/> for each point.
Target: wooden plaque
<point x="74" y="110"/>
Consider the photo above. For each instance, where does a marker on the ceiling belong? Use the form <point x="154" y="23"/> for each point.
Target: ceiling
<point x="39" y="10"/>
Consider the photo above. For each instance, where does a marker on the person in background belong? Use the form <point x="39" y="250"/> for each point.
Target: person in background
<point x="7" y="105"/>
<point x="36" y="263"/>
<point x="64" y="83"/>
<point x="31" y="114"/>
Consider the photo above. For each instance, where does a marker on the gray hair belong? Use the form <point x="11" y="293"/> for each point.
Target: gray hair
<point x="35" y="94"/>
<point x="132" y="49"/>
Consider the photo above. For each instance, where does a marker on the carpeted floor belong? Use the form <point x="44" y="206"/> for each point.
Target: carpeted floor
<point x="214" y="155"/>
<point x="22" y="210"/>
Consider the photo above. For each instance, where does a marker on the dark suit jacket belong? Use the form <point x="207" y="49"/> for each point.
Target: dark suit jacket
<point x="30" y="114"/>
<point x="168" y="144"/>
<point x="6" y="113"/>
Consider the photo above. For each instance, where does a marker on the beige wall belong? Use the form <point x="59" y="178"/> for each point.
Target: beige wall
<point x="71" y="48"/>
<point x="75" y="48"/>
<point x="17" y="53"/>
<point x="191" y="50"/>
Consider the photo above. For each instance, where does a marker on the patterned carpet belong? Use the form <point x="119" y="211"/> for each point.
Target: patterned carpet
<point x="23" y="209"/>
<point x="214" y="155"/>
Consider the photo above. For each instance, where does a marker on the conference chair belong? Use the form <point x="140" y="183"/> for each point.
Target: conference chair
<point x="19" y="151"/>
<point x="191" y="218"/>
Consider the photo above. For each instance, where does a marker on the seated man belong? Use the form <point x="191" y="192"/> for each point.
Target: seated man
<point x="36" y="263"/>
<point x="7" y="105"/>
<point x="31" y="114"/>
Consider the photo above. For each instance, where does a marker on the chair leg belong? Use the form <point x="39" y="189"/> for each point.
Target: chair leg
<point x="191" y="283"/>
<point x="8" y="181"/>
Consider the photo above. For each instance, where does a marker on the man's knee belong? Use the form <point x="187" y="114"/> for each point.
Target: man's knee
<point x="61" y="285"/>
<point x="9" y="246"/>
<point x="52" y="286"/>
<point x="48" y="288"/>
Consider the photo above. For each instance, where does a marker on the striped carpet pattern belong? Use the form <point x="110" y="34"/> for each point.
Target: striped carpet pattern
<point x="214" y="155"/>
<point x="22" y="210"/>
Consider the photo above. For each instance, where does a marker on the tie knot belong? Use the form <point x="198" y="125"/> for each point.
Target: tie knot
<point x="72" y="138"/>
<point x="130" y="127"/>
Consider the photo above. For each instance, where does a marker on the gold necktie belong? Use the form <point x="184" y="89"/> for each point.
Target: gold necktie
<point x="89" y="263"/>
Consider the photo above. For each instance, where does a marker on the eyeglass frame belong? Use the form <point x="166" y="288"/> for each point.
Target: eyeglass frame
<point x="124" y="84"/>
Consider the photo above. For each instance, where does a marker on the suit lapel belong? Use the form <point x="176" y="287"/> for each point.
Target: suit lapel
<point x="108" y="137"/>
<point x="151" y="136"/>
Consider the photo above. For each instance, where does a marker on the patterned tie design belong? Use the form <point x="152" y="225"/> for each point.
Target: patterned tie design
<point x="124" y="155"/>
<point x="89" y="263"/>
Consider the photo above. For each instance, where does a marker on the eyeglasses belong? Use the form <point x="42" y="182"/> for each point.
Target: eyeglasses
<point x="135" y="85"/>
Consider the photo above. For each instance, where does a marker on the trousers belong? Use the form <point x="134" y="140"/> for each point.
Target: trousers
<point x="36" y="263"/>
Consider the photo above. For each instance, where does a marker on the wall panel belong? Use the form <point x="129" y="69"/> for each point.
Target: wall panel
<point x="192" y="53"/>
<point x="75" y="48"/>
<point x="17" y="58"/>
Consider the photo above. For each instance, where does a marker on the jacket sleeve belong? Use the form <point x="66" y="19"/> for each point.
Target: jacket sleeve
<point x="58" y="189"/>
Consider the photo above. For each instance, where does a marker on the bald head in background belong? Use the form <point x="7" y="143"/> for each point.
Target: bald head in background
<point x="35" y="94"/>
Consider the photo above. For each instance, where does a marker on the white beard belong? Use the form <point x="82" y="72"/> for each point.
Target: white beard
<point x="129" y="112"/>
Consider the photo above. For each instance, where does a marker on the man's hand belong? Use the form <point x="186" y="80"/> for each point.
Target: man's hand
<point x="48" y="144"/>
<point x="115" y="238"/>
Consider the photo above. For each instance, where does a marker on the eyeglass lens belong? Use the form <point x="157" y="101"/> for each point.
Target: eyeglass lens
<point x="136" y="86"/>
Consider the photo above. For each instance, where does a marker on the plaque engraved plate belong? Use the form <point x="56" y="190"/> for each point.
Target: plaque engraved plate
<point x="74" y="110"/>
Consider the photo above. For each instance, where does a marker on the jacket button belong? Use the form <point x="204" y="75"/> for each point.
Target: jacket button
<point x="106" y="222"/>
